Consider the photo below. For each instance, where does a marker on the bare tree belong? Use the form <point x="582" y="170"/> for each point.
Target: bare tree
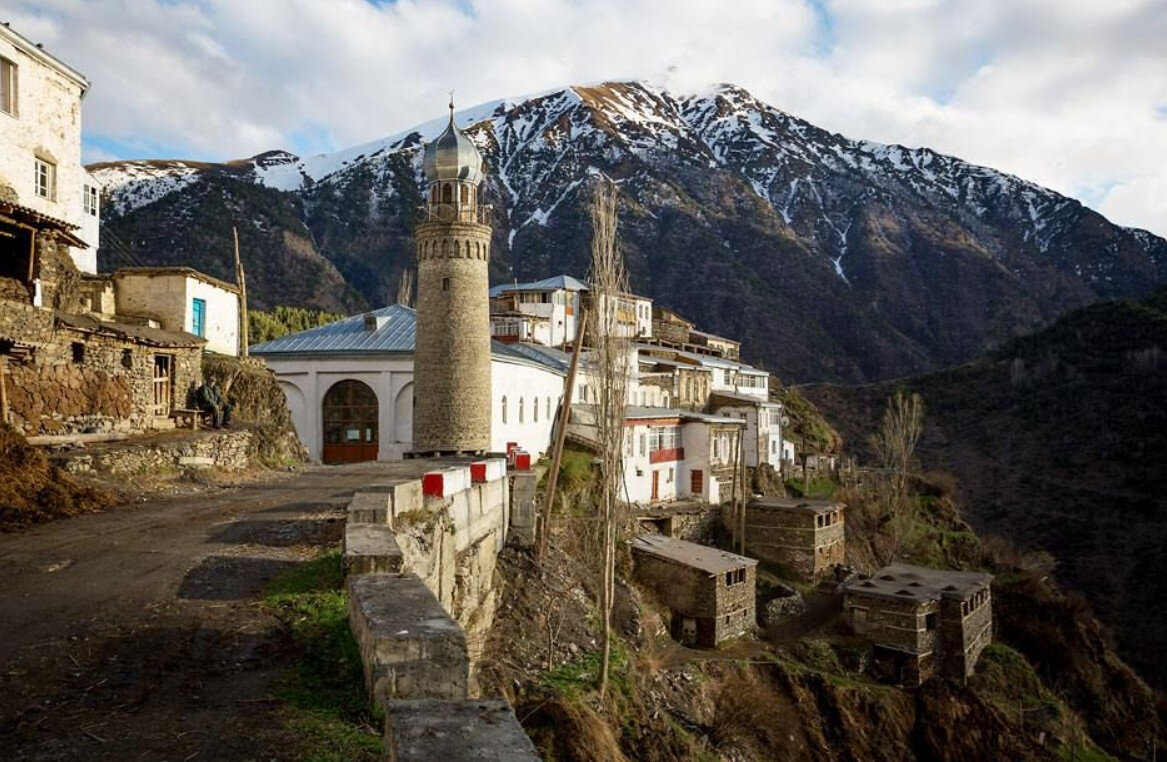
<point x="895" y="442"/>
<point x="405" y="288"/>
<point x="610" y="364"/>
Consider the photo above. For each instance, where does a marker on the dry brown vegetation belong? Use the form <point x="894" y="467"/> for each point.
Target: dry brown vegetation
<point x="33" y="490"/>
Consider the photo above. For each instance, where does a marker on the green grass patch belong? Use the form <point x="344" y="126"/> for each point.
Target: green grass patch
<point x="579" y="676"/>
<point x="324" y="689"/>
<point x="818" y="487"/>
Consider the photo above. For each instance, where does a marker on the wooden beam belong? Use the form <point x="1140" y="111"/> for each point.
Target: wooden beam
<point x="543" y="521"/>
<point x="241" y="282"/>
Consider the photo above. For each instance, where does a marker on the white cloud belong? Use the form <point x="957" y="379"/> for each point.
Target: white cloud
<point x="1068" y="93"/>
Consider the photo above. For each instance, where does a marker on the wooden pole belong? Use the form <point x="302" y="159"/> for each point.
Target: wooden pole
<point x="543" y="522"/>
<point x="3" y="389"/>
<point x="733" y="493"/>
<point x="742" y="514"/>
<point x="241" y="281"/>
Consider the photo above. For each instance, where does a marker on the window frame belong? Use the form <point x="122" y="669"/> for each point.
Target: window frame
<point x="89" y="199"/>
<point x="43" y="168"/>
<point x="198" y="317"/>
<point x="9" y="87"/>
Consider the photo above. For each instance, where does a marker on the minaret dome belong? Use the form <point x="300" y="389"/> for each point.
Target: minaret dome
<point x="452" y="156"/>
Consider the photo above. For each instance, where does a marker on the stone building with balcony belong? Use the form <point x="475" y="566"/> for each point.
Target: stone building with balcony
<point x="803" y="535"/>
<point x="710" y="592"/>
<point x="922" y="622"/>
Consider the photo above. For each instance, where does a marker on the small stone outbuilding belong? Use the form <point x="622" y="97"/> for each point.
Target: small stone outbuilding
<point x="709" y="591"/>
<point x="923" y="622"/>
<point x="806" y="536"/>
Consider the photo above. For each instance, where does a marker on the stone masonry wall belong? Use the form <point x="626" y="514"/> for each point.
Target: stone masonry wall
<point x="736" y="605"/>
<point x="793" y="539"/>
<point x="231" y="450"/>
<point x="107" y="384"/>
<point x="452" y="404"/>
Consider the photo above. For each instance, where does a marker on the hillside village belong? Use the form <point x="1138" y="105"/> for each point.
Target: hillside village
<point x="451" y="417"/>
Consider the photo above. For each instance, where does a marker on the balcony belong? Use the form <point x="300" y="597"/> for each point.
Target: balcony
<point x="453" y="212"/>
<point x="666" y="455"/>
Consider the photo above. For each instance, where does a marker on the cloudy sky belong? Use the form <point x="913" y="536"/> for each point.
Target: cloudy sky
<point x="1069" y="93"/>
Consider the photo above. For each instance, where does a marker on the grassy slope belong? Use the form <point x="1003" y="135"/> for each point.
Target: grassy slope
<point x="1059" y="442"/>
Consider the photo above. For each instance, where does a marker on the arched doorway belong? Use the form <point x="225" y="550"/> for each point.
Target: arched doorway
<point x="350" y="423"/>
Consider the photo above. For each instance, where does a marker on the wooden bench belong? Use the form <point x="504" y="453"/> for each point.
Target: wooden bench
<point x="187" y="418"/>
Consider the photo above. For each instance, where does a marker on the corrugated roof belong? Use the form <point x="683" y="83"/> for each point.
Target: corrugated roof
<point x="701" y="557"/>
<point x="918" y="583"/>
<point x="395" y="333"/>
<point x="547" y="284"/>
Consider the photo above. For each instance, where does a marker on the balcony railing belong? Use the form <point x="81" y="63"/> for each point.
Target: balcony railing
<point x="482" y="214"/>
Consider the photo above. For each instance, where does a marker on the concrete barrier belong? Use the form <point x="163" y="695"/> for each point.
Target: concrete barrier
<point x="424" y="731"/>
<point x="410" y="647"/>
<point x="370" y="549"/>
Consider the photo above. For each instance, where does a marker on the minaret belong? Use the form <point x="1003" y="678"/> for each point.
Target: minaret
<point x="451" y="367"/>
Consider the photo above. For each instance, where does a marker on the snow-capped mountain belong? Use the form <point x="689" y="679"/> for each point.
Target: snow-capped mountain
<point x="830" y="257"/>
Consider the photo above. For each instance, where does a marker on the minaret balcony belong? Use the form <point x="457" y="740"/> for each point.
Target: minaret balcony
<point x="482" y="214"/>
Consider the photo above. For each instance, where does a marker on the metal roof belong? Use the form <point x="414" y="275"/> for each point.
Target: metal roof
<point x="701" y="557"/>
<point x="557" y="283"/>
<point x="918" y="583"/>
<point x="395" y="332"/>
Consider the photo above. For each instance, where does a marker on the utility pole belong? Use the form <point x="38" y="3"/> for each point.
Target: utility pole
<point x="543" y="521"/>
<point x="742" y="509"/>
<point x="3" y="389"/>
<point x="241" y="281"/>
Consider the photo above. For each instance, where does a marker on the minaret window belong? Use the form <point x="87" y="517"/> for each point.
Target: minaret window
<point x="447" y="194"/>
<point x="445" y="284"/>
<point x="465" y="194"/>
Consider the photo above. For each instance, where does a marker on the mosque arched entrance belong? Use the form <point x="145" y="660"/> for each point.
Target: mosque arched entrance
<point x="350" y="414"/>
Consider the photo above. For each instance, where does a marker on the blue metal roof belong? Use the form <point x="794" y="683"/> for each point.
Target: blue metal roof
<point x="557" y="283"/>
<point x="395" y="333"/>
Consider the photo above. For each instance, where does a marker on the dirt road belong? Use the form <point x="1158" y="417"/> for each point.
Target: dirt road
<point x="138" y="633"/>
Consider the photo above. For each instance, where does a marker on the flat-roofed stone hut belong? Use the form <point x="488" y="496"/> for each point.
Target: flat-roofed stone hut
<point x="806" y="536"/>
<point x="923" y="622"/>
<point x="709" y="591"/>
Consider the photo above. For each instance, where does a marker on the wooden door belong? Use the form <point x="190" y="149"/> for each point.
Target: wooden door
<point x="162" y="386"/>
<point x="697" y="482"/>
<point x="351" y="421"/>
<point x="656" y="485"/>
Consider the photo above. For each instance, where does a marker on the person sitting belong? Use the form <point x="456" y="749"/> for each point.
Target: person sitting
<point x="224" y="406"/>
<point x="209" y="400"/>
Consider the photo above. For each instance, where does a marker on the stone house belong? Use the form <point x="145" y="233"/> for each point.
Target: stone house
<point x="64" y="370"/>
<point x="545" y="311"/>
<point x="41" y="175"/>
<point x="669" y="454"/>
<point x="181" y="299"/>
<point x="669" y="327"/>
<point x="923" y="622"/>
<point x="806" y="536"/>
<point x="764" y="426"/>
<point x="711" y="593"/>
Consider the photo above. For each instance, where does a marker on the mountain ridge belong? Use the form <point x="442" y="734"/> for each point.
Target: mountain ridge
<point x="855" y="244"/>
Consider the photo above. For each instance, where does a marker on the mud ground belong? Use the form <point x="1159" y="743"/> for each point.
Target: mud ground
<point x="139" y="633"/>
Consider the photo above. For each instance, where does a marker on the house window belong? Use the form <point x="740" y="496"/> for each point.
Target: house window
<point x="520" y="409"/>
<point x="549" y="408"/>
<point x="535" y="409"/>
<point x="735" y="577"/>
<point x="78" y="352"/>
<point x="643" y="451"/>
<point x="504" y="409"/>
<point x="8" y="80"/>
<point x="727" y="376"/>
<point x="445" y="284"/>
<point x="45" y="180"/>
<point x="127" y="358"/>
<point x="89" y="200"/>
<point x="930" y="621"/>
<point x="198" y="317"/>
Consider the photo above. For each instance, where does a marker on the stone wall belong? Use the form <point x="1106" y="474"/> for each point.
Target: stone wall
<point x="793" y="538"/>
<point x="231" y="450"/>
<point x="84" y="381"/>
<point x="722" y="610"/>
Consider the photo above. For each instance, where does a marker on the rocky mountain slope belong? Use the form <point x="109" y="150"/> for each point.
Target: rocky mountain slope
<point x="1059" y="441"/>
<point x="830" y="258"/>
